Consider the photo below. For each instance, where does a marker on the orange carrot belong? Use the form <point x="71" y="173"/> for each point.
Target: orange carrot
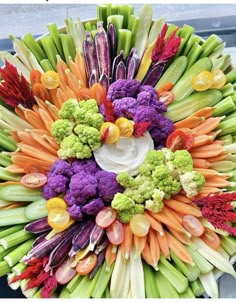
<point x="163" y="244"/>
<point x="26" y="138"/>
<point x="38" y="131"/>
<point x="207" y="172"/>
<point x="15" y="169"/>
<point x="146" y="255"/>
<point x="188" y="131"/>
<point x="201" y="140"/>
<point x="110" y="257"/>
<point x="40" y="91"/>
<point x="9" y="182"/>
<point x="165" y="87"/>
<point x="139" y="243"/>
<point x="217" y="181"/>
<point x="98" y="93"/>
<point x="35" y="153"/>
<point x="61" y="66"/>
<point x="42" y="142"/>
<point x="73" y="82"/>
<point x="207" y="190"/>
<point x="51" y="141"/>
<point x="70" y="93"/>
<point x="181" y="198"/>
<point x="154" y="247"/>
<point x="183" y="208"/>
<point x="77" y="72"/>
<point x="208" y="125"/>
<point x="188" y="122"/>
<point x="53" y="97"/>
<point x="84" y="94"/>
<point x="61" y="97"/>
<point x="33" y="118"/>
<point x="155" y="225"/>
<point x="20" y="161"/>
<point x="172" y="214"/>
<point x="207" y="151"/>
<point x="128" y="240"/>
<point x="35" y="76"/>
<point x="20" y="113"/>
<point x="79" y="61"/>
<point x="200" y="163"/>
<point x="219" y="157"/>
<point x="41" y="103"/>
<point x="204" y="112"/>
<point x="46" y="118"/>
<point x="183" y="238"/>
<point x="53" y="110"/>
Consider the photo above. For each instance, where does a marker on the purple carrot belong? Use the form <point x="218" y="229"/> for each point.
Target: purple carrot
<point x="120" y="71"/>
<point x="103" y="243"/>
<point x="90" y="56"/>
<point x="112" y="38"/>
<point x="102" y="50"/>
<point x="93" y="78"/>
<point x="95" y="236"/>
<point x="104" y="81"/>
<point x="154" y="74"/>
<point x="132" y="65"/>
<point x="38" y="226"/>
<point x="99" y="262"/>
<point x="81" y="238"/>
<point x="40" y="239"/>
<point x="116" y="61"/>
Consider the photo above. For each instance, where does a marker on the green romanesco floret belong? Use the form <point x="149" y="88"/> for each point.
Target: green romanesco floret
<point x="68" y="108"/>
<point x="168" y="154"/>
<point x="89" y="105"/>
<point x="71" y="146"/>
<point x="61" y="129"/>
<point x="165" y="182"/>
<point x="89" y="136"/>
<point x="125" y="179"/>
<point x="180" y="163"/>
<point x="121" y="202"/>
<point x="84" y="117"/>
<point x="192" y="183"/>
<point x="125" y="216"/>
<point x="153" y="158"/>
<point x="155" y="204"/>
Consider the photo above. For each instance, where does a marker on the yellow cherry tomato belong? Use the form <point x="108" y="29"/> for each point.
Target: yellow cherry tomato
<point x="50" y="79"/>
<point x="58" y="218"/>
<point x="55" y="202"/>
<point x="111" y="132"/>
<point x="219" y="79"/>
<point x="202" y="81"/>
<point x="125" y="125"/>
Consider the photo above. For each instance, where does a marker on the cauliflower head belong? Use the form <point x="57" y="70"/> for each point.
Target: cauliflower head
<point x="61" y="129"/>
<point x="192" y="183"/>
<point x="155" y="204"/>
<point x="89" y="136"/>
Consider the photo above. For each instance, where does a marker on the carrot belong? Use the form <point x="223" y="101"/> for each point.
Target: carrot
<point x="139" y="243"/>
<point x="154" y="247"/>
<point x="163" y="244"/>
<point x="188" y="122"/>
<point x="46" y="117"/>
<point x="204" y="112"/>
<point x="172" y="214"/>
<point x="14" y="205"/>
<point x="70" y="93"/>
<point x="15" y="169"/>
<point x="84" y="94"/>
<point x="14" y="136"/>
<point x="217" y="181"/>
<point x="41" y="103"/>
<point x="40" y="91"/>
<point x="183" y="208"/>
<point x="155" y="225"/>
<point x="181" y="198"/>
<point x="61" y="66"/>
<point x="165" y="87"/>
<point x="44" y="143"/>
<point x="21" y="159"/>
<point x="188" y="131"/>
<point x="110" y="257"/>
<point x="26" y="138"/>
<point x="38" y="131"/>
<point x="9" y="182"/>
<point x="35" y="153"/>
<point x="200" y="163"/>
<point x="53" y="110"/>
<point x="178" y="249"/>
<point x="146" y="255"/>
<point x="51" y="141"/>
<point x="183" y="238"/>
<point x="35" y="76"/>
<point x="207" y="151"/>
<point x="98" y="93"/>
<point x="206" y="172"/>
<point x="128" y="240"/>
<point x="208" y="125"/>
<point x="61" y="97"/>
<point x="207" y="190"/>
<point x="20" y="113"/>
<point x="201" y="140"/>
<point x="53" y="97"/>
<point x="77" y="72"/>
<point x="219" y="157"/>
<point x="33" y="118"/>
<point x="79" y="61"/>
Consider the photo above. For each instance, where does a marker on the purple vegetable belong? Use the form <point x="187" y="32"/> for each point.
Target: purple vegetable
<point x="38" y="226"/>
<point x="90" y="56"/>
<point x="75" y="212"/>
<point x="116" y="61"/>
<point x="132" y="66"/>
<point x="81" y="238"/>
<point x="99" y="262"/>
<point x="104" y="81"/>
<point x="111" y="33"/>
<point x="95" y="236"/>
<point x="125" y="107"/>
<point x="88" y="166"/>
<point x="154" y="74"/>
<point x="102" y="50"/>
<point x="93" y="78"/>
<point x="123" y="88"/>
<point x="120" y="71"/>
<point x="102" y="244"/>
<point x="40" y="239"/>
<point x="92" y="207"/>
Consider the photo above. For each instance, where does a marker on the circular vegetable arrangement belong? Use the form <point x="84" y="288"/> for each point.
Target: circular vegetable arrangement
<point x="118" y="160"/>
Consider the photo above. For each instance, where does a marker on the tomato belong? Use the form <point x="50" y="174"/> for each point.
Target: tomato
<point x="58" y="218"/>
<point x="33" y="180"/>
<point x="55" y="202"/>
<point x="166" y="97"/>
<point x="219" y="79"/>
<point x="35" y="76"/>
<point x="139" y="225"/>
<point x="65" y="272"/>
<point x="193" y="225"/>
<point x="211" y="239"/>
<point x="115" y="233"/>
<point x="113" y="133"/>
<point x="179" y="140"/>
<point x="106" y="217"/>
<point x="86" y="265"/>
<point x="50" y="79"/>
<point x="126" y="126"/>
<point x="202" y="81"/>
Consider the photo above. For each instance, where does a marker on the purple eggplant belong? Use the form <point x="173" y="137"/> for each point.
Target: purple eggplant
<point x="104" y="81"/>
<point x="95" y="236"/>
<point x="102" y="50"/>
<point x="154" y="73"/>
<point x="120" y="71"/>
<point x="81" y="238"/>
<point x="112" y="38"/>
<point x="93" y="78"/>
<point x="99" y="262"/>
<point x="38" y="226"/>
<point x="102" y="244"/>
<point x="40" y="239"/>
<point x="116" y="61"/>
<point x="132" y="65"/>
<point x="90" y="56"/>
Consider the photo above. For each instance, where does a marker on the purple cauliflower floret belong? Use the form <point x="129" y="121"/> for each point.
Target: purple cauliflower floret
<point x="56" y="184"/>
<point x="87" y="166"/>
<point x="93" y="207"/>
<point x="75" y="212"/>
<point x="149" y="89"/>
<point x="83" y="186"/>
<point x="146" y="114"/>
<point x="123" y="88"/>
<point x="125" y="107"/>
<point x="69" y="199"/>
<point x="107" y="185"/>
<point x="61" y="167"/>
<point x="48" y="192"/>
<point x="161" y="130"/>
<point x="145" y="98"/>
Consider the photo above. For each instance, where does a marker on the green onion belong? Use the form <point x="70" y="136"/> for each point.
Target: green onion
<point x="197" y="288"/>
<point x="54" y="33"/>
<point x="50" y="49"/>
<point x="16" y="255"/>
<point x="166" y="289"/>
<point x="4" y="268"/>
<point x="68" y="47"/>
<point x="210" y="44"/>
<point x="46" y="65"/>
<point x="227" y="90"/>
<point x="15" y="239"/>
<point x="224" y="107"/>
<point x="124" y="41"/>
<point x="203" y="265"/>
<point x="229" y="244"/>
<point x="30" y="42"/>
<point x="11" y="230"/>
<point x="73" y="283"/>
<point x="18" y="268"/>
<point x="188" y="294"/>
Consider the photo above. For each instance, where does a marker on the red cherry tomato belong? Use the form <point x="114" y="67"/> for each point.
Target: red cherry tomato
<point x="211" y="239"/>
<point x="33" y="180"/>
<point x="65" y="272"/>
<point x="193" y="225"/>
<point x="86" y="265"/>
<point x="179" y="140"/>
<point x="166" y="97"/>
<point x="106" y="217"/>
<point x="115" y="233"/>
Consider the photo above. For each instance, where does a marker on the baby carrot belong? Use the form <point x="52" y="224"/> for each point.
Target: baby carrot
<point x="20" y="113"/>
<point x="15" y="169"/>
<point x="163" y="244"/>
<point x="139" y="243"/>
<point x="207" y="151"/>
<point x="217" y="181"/>
<point x="181" y="198"/>
<point x="146" y="255"/>
<point x="61" y="66"/>
<point x="79" y="61"/>
<point x="46" y="118"/>
<point x="201" y="163"/>
<point x="188" y="122"/>
<point x="207" y="172"/>
<point x="53" y="97"/>
<point x="51" y="141"/>
<point x="201" y="140"/>
<point x="33" y="118"/>
<point x="183" y="238"/>
<point x="37" y="138"/>
<point x="35" y="153"/>
<point x="208" y="125"/>
<point x="53" y="110"/>
<point x="155" y="225"/>
<point x="183" y="208"/>
<point x="219" y="157"/>
<point x="76" y="71"/>
<point x="154" y="247"/>
<point x="165" y="87"/>
<point x="128" y="240"/>
<point x="110" y="257"/>
<point x="172" y="214"/>
<point x="204" y="112"/>
<point x="98" y="93"/>
<point x="40" y="91"/>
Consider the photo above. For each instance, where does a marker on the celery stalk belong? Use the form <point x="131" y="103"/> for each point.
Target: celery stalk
<point x="133" y="26"/>
<point x="231" y="76"/>
<point x="37" y="295"/>
<point x="15" y="238"/>
<point x="18" y="268"/>
<point x="223" y="62"/>
<point x="102" y="281"/>
<point x="5" y="126"/>
<point x="227" y="139"/>
<point x="30" y="42"/>
<point x="7" y="143"/>
<point x="5" y="160"/>
<point x="229" y="244"/>
<point x="83" y="289"/>
<point x="166" y="289"/>
<point x="116" y="20"/>
<point x="210" y="44"/>
<point x="124" y="41"/>
<point x="4" y="252"/>
<point x="102" y="14"/>
<point x="77" y="31"/>
<point x="155" y="29"/>
<point x="224" y="107"/>
<point x="227" y="90"/>
<point x="46" y="65"/>
<point x="188" y="294"/>
<point x="227" y="126"/>
<point x="4" y="268"/>
<point x="29" y="293"/>
<point x="54" y="33"/>
<point x="124" y="10"/>
<point x="68" y="47"/>
<point x="107" y="294"/>
<point x="6" y="175"/>
<point x="50" y="49"/>
<point x="73" y="283"/>
<point x="170" y="29"/>
<point x="11" y="230"/>
<point x="13" y="120"/>
<point x="186" y="32"/>
<point x="193" y="39"/>
<point x="197" y="288"/>
<point x="14" y="285"/>
<point x="151" y="289"/>
<point x="203" y="265"/>
<point x="65" y="293"/>
<point x="16" y="255"/>
<point x="193" y="54"/>
<point x="218" y="51"/>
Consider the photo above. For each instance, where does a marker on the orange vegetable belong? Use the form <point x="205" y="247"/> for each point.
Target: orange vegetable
<point x="165" y="87"/>
<point x="188" y="122"/>
<point x="183" y="208"/>
<point x="163" y="244"/>
<point x="204" y="112"/>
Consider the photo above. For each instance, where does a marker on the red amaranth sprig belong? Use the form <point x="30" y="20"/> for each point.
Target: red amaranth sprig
<point x="217" y="209"/>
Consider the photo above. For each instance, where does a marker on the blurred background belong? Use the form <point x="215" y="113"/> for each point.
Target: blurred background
<point x="19" y="19"/>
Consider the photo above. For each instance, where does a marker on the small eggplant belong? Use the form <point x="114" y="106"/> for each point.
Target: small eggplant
<point x="112" y="38"/>
<point x="95" y="236"/>
<point x="116" y="61"/>
<point x="38" y="226"/>
<point x="120" y="71"/>
<point x="102" y="50"/>
<point x="104" y="81"/>
<point x="81" y="238"/>
<point x="100" y="258"/>
<point x="90" y="56"/>
<point x="154" y="74"/>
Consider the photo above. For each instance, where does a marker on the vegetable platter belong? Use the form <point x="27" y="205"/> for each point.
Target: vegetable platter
<point x="118" y="160"/>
